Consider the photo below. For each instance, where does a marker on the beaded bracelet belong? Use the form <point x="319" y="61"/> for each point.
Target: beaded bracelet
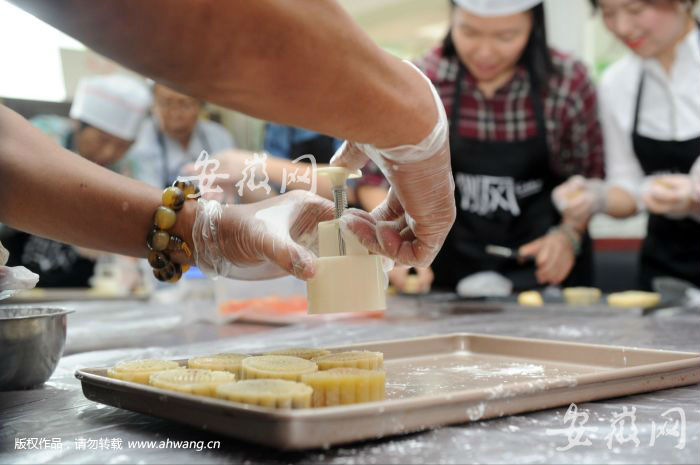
<point x="159" y="240"/>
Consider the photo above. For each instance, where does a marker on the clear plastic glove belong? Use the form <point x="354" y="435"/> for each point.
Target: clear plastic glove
<point x="263" y="240"/>
<point x="412" y="223"/>
<point x="670" y="195"/>
<point x="14" y="279"/>
<point x="578" y="199"/>
<point x="554" y="257"/>
<point x="407" y="283"/>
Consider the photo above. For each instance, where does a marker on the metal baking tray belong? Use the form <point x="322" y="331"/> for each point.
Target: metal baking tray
<point x="431" y="381"/>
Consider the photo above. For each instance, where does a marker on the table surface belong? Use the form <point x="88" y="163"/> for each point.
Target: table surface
<point x="57" y="424"/>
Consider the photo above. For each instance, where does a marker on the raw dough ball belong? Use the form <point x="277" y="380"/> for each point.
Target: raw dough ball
<point x="582" y="295"/>
<point x="634" y="299"/>
<point x="530" y="299"/>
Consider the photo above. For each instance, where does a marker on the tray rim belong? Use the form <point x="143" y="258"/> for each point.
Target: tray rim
<point x="690" y="361"/>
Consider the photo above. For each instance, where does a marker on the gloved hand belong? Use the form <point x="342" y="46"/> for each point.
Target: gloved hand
<point x="670" y="195"/>
<point x="578" y="199"/>
<point x="412" y="223"/>
<point x="14" y="279"/>
<point x="262" y="240"/>
<point x="554" y="256"/>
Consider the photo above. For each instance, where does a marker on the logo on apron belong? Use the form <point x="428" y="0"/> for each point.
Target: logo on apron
<point x="485" y="195"/>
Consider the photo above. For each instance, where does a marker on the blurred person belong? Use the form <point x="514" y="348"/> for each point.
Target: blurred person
<point x="173" y="136"/>
<point x="523" y="119"/>
<point x="650" y="108"/>
<point x="106" y="114"/>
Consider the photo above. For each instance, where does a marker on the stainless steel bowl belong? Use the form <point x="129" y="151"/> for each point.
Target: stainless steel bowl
<point x="31" y="344"/>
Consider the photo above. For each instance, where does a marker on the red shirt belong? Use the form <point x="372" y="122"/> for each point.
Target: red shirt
<point x="570" y="105"/>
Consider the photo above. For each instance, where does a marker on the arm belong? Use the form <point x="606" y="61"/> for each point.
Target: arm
<point x="51" y="192"/>
<point x="624" y="174"/>
<point x="293" y="62"/>
<point x="582" y="157"/>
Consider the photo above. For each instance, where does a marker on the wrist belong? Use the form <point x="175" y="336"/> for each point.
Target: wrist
<point x="570" y="234"/>
<point x="183" y="230"/>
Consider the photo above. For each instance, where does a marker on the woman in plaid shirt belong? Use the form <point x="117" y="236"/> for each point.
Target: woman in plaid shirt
<point x="523" y="120"/>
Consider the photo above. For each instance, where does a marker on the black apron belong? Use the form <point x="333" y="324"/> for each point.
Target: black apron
<point x="503" y="194"/>
<point x="671" y="246"/>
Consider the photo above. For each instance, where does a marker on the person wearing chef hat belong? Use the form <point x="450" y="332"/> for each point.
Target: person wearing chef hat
<point x="106" y="113"/>
<point x="650" y="107"/>
<point x="523" y="119"/>
<point x="110" y="110"/>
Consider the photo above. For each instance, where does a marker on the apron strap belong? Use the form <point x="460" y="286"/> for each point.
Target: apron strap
<point x="456" y="101"/>
<point x="638" y="102"/>
<point x="538" y="107"/>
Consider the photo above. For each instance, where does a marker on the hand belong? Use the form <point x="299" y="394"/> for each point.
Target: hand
<point x="412" y="223"/>
<point x="578" y="199"/>
<point x="263" y="240"/>
<point x="554" y="257"/>
<point x="419" y="283"/>
<point x="670" y="195"/>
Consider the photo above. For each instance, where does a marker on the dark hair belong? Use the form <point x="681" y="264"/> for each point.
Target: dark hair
<point x="692" y="2"/>
<point x="536" y="57"/>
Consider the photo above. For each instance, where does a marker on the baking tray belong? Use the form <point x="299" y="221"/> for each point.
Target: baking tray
<point x="42" y="295"/>
<point x="431" y="381"/>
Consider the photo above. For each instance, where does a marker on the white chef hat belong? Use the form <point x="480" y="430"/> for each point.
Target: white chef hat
<point x="115" y="103"/>
<point x="497" y="7"/>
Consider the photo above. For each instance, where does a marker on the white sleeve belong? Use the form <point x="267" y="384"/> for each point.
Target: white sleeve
<point x="695" y="179"/>
<point x="621" y="165"/>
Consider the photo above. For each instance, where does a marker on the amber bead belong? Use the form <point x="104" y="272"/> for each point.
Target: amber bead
<point x="164" y="218"/>
<point x="173" y="198"/>
<point x="175" y="244"/>
<point x="184" y="267"/>
<point x="187" y="187"/>
<point x="172" y="272"/>
<point x="157" y="260"/>
<point x="158" y="240"/>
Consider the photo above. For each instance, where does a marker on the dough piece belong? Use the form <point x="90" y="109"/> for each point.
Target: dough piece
<point x="306" y="353"/>
<point x="276" y="367"/>
<point x="352" y="359"/>
<point x="230" y="362"/>
<point x="272" y="393"/>
<point x="634" y="299"/>
<point x="191" y="381"/>
<point x="139" y="371"/>
<point x="582" y="295"/>
<point x="342" y="386"/>
<point x="530" y="299"/>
